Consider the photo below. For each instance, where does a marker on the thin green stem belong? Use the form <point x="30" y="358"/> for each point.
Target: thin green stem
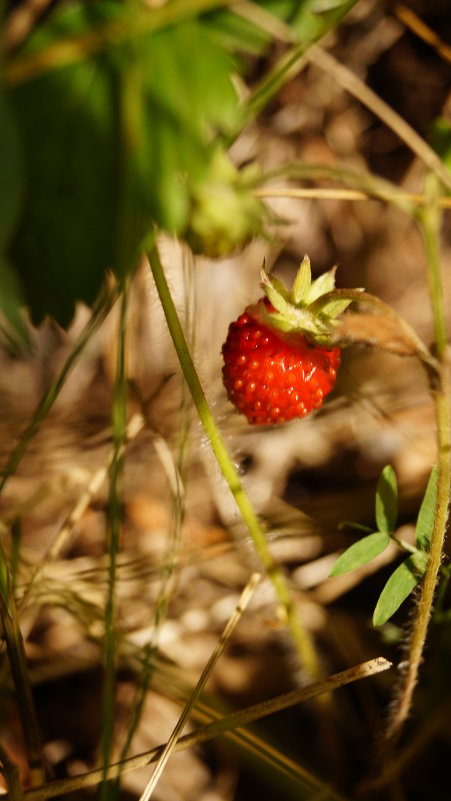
<point x="372" y="185"/>
<point x="301" y="637"/>
<point x="430" y="222"/>
<point x="424" y="610"/>
<point x="119" y="421"/>
<point x="430" y="218"/>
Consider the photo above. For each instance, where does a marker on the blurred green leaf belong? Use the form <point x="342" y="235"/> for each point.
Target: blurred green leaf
<point x="399" y="586"/>
<point x="360" y="553"/>
<point x="426" y="515"/>
<point x="386" y="507"/>
<point x="87" y="139"/>
<point x="124" y="132"/>
<point x="311" y="19"/>
<point x="11" y="189"/>
<point x="308" y="19"/>
<point x="308" y="24"/>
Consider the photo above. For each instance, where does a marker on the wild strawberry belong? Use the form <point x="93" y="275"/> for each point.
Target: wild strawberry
<point x="277" y="363"/>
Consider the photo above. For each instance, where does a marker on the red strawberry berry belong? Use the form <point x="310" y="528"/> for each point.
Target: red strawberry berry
<point x="272" y="377"/>
<point x="273" y="369"/>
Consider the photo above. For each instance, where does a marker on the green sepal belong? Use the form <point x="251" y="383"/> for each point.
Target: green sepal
<point x="281" y="288"/>
<point x="310" y="308"/>
<point x="302" y="282"/>
<point x="322" y="285"/>
<point x="290" y="321"/>
<point x="331" y="308"/>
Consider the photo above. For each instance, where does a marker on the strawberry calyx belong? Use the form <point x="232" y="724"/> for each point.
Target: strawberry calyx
<point x="310" y="308"/>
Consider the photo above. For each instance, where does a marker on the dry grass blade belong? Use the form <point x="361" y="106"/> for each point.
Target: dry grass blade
<point x="222" y="642"/>
<point x="63" y="536"/>
<point x="355" y="86"/>
<point x="215" y="729"/>
<point x="329" y="193"/>
<point x="423" y="31"/>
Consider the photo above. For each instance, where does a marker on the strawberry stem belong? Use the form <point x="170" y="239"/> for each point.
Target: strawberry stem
<point x="430" y="223"/>
<point x="301" y="637"/>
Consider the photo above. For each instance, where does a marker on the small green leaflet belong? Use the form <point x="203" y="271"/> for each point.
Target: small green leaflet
<point x="361" y="552"/>
<point x="425" y="521"/>
<point x="387" y="500"/>
<point x="399" y="586"/>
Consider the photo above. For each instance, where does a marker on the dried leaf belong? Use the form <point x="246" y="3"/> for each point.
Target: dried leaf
<point x="376" y="330"/>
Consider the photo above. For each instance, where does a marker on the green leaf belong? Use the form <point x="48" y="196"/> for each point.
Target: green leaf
<point x="237" y="33"/>
<point x="387" y="500"/>
<point x="116" y="144"/>
<point x="426" y="515"/>
<point x="399" y="586"/>
<point x="314" y="17"/>
<point x="309" y="19"/>
<point x="360" y="553"/>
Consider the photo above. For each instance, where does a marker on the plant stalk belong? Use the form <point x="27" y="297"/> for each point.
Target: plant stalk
<point x="301" y="637"/>
<point x="119" y="421"/>
<point x="430" y="222"/>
